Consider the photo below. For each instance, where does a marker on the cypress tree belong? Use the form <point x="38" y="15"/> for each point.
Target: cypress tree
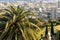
<point x="46" y="31"/>
<point x="52" y="29"/>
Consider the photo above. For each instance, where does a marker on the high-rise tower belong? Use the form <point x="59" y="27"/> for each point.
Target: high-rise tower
<point x="58" y="4"/>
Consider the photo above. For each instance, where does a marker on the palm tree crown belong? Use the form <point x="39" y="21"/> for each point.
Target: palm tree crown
<point x="17" y="26"/>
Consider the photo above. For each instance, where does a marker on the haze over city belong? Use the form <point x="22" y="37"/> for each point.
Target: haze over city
<point x="29" y="0"/>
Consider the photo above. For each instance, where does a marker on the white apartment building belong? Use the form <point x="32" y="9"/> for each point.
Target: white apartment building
<point x="58" y="4"/>
<point x="49" y="10"/>
<point x="58" y="13"/>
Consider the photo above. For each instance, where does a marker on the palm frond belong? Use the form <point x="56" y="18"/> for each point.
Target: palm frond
<point x="17" y="25"/>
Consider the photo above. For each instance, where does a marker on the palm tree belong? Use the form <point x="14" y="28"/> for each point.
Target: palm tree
<point x="15" y="25"/>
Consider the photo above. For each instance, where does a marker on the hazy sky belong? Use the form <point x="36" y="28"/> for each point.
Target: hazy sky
<point x="28" y="0"/>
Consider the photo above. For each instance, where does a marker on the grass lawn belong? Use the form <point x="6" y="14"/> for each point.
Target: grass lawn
<point x="56" y="28"/>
